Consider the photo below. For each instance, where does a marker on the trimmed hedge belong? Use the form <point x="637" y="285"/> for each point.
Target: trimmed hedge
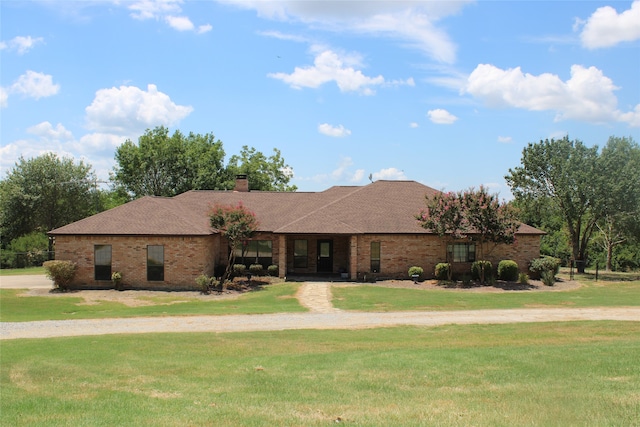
<point x="442" y="271"/>
<point x="508" y="270"/>
<point x="477" y="265"/>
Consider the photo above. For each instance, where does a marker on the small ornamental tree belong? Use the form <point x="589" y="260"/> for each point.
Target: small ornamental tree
<point x="489" y="221"/>
<point x="445" y="217"/>
<point x="236" y="224"/>
<point x="473" y="213"/>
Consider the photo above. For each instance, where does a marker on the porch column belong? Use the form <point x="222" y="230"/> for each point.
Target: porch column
<point x="282" y="256"/>
<point x="353" y="258"/>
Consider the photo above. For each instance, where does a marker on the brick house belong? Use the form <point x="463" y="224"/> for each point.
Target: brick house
<point x="347" y="231"/>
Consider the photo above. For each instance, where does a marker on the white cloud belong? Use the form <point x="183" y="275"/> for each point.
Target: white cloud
<point x="34" y="85"/>
<point x="505" y="139"/>
<point x="129" y="110"/>
<point x="343" y="173"/>
<point x="151" y="9"/>
<point x="329" y="66"/>
<point x="411" y="22"/>
<point x="586" y="96"/>
<point x="334" y="131"/>
<point x="46" y="131"/>
<point x="281" y="36"/>
<point x="389" y="174"/>
<point x="441" y="117"/>
<point x="21" y="44"/>
<point x="606" y="28"/>
<point x="204" y="28"/>
<point x="165" y="10"/>
<point x="4" y="97"/>
<point x="180" y="23"/>
<point x="414" y="125"/>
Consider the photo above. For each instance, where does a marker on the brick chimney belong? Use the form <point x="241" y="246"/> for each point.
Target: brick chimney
<point x="242" y="183"/>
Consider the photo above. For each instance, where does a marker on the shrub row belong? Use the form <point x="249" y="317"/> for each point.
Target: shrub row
<point x="545" y="268"/>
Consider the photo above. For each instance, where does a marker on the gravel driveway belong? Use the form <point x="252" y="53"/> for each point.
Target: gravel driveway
<point x="316" y="297"/>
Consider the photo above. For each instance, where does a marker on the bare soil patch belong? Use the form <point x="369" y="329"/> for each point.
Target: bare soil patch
<point x="140" y="298"/>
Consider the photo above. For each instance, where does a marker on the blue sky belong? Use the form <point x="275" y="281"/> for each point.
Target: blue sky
<point x="444" y="93"/>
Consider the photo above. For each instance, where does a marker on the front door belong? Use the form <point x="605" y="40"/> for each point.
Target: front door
<point x="325" y="256"/>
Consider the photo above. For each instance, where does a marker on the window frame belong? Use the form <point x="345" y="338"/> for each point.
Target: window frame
<point x="301" y="261"/>
<point x="255" y="252"/>
<point x="375" y="251"/>
<point x="102" y="271"/>
<point x="462" y="252"/>
<point x="155" y="269"/>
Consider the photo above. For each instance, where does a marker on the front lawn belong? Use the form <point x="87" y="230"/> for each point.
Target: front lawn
<point x="276" y="298"/>
<point x="578" y="373"/>
<point x="22" y="271"/>
<point x="381" y="298"/>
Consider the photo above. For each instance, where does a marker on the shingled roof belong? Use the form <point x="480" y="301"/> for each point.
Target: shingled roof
<point x="381" y="207"/>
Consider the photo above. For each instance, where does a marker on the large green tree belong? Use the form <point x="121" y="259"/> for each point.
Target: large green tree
<point x="619" y="202"/>
<point x="265" y="173"/>
<point x="161" y="164"/>
<point x="44" y="193"/>
<point x="584" y="185"/>
<point x="165" y="165"/>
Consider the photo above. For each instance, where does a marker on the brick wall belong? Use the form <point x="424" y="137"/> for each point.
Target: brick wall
<point x="185" y="258"/>
<point x="188" y="257"/>
<point x="399" y="252"/>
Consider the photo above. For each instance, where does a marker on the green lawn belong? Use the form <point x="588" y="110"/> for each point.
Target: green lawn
<point x="21" y="271"/>
<point x="577" y="373"/>
<point x="275" y="298"/>
<point x="380" y="298"/>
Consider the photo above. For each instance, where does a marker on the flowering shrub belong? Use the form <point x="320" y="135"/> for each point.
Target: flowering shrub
<point x="61" y="272"/>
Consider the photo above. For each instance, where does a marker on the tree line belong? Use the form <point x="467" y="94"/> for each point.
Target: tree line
<point x="587" y="199"/>
<point x="46" y="192"/>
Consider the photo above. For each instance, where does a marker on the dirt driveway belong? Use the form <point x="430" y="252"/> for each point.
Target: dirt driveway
<point x="317" y="298"/>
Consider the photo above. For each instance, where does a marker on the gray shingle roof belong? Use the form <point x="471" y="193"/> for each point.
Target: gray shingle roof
<point x="380" y="207"/>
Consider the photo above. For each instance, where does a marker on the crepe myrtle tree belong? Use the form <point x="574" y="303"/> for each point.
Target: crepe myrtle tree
<point x="471" y="214"/>
<point x="236" y="224"/>
<point x="444" y="216"/>
<point x="489" y="220"/>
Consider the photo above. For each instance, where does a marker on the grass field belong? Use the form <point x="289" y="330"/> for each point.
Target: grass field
<point x="280" y="298"/>
<point x="276" y="298"/>
<point x="579" y="373"/>
<point x="379" y="298"/>
<point x="21" y="271"/>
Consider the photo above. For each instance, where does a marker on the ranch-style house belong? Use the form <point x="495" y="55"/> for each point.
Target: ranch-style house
<point x="349" y="232"/>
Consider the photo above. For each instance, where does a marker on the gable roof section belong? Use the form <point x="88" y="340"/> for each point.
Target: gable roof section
<point x="384" y="207"/>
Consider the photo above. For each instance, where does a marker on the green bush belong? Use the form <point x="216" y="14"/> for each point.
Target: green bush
<point x="206" y="283"/>
<point x="545" y="263"/>
<point x="442" y="271"/>
<point x="416" y="271"/>
<point x="476" y="269"/>
<point x="239" y="269"/>
<point x="61" y="272"/>
<point x="523" y="278"/>
<point x="255" y="269"/>
<point x="273" y="270"/>
<point x="508" y="270"/>
<point x="548" y="278"/>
